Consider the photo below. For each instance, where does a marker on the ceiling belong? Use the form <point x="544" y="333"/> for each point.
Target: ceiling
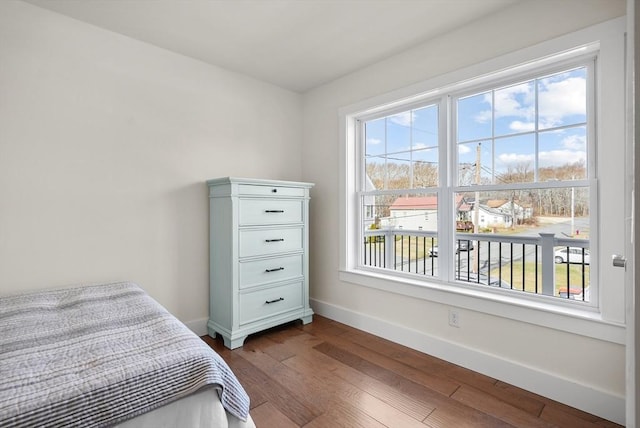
<point x="295" y="44"/>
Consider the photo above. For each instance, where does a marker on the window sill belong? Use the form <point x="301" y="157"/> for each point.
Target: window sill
<point x="582" y="321"/>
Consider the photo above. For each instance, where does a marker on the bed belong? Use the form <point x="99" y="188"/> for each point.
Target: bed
<point x="109" y="355"/>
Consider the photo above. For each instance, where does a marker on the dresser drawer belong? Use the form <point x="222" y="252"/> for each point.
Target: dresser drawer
<point x="263" y="271"/>
<point x="258" y="242"/>
<point x="258" y="190"/>
<point x="269" y="302"/>
<point x="269" y="211"/>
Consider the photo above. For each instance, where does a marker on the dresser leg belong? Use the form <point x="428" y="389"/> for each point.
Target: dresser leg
<point x="307" y="319"/>
<point x="234" y="343"/>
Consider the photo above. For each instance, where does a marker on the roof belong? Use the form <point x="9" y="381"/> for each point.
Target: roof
<point x="495" y="203"/>
<point x="415" y="203"/>
<point x="422" y="203"/>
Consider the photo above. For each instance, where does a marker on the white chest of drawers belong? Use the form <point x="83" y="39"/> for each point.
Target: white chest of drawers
<point x="258" y="253"/>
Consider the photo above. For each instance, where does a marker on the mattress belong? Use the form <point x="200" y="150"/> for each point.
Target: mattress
<point x="201" y="409"/>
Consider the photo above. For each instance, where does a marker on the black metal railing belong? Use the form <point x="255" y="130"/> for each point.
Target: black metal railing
<point x="543" y="264"/>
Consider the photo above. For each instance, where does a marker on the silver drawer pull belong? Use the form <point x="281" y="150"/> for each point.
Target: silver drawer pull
<point x="274" y="301"/>
<point x="274" y="211"/>
<point x="274" y="270"/>
<point x="274" y="240"/>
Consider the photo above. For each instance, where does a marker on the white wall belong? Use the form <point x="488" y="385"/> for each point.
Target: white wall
<point x="549" y="361"/>
<point x="105" y="146"/>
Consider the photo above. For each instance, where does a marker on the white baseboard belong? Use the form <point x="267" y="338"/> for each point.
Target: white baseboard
<point x="588" y="399"/>
<point x="198" y="326"/>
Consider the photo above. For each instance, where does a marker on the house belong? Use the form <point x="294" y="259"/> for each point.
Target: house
<point x="107" y="139"/>
<point x="490" y="217"/>
<point x="518" y="211"/>
<point x="415" y="213"/>
<point x="421" y="213"/>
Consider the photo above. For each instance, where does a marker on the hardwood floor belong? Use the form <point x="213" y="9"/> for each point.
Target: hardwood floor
<point x="327" y="374"/>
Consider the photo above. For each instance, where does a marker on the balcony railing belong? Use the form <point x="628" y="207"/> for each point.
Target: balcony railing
<point x="544" y="264"/>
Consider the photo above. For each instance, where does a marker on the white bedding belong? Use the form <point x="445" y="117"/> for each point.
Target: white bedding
<point x="202" y="409"/>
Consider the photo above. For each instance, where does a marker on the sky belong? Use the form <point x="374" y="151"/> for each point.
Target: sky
<point x="503" y="121"/>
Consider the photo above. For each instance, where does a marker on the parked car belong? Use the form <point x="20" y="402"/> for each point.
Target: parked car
<point x="464" y="245"/>
<point x="461" y="245"/>
<point x="571" y="255"/>
<point x="575" y="293"/>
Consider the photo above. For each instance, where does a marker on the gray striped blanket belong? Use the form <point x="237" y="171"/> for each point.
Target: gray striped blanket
<point x="98" y="355"/>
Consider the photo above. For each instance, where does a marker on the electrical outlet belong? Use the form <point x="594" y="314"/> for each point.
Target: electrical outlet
<point x="454" y="318"/>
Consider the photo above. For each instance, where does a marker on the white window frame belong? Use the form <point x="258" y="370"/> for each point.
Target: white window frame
<point x="600" y="321"/>
<point x="448" y="171"/>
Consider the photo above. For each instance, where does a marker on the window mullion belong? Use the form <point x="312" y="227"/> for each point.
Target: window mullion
<point x="448" y="177"/>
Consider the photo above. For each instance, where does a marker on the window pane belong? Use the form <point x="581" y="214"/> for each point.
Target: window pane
<point x="508" y="251"/>
<point x="475" y="163"/>
<point x="567" y="208"/>
<point x="515" y="159"/>
<point x="376" y="210"/>
<point x="409" y="212"/>
<point x="494" y="211"/>
<point x="375" y="168"/>
<point x="375" y="137"/>
<point x="400" y="232"/>
<point x="401" y="150"/>
<point x="425" y="168"/>
<point x="399" y="171"/>
<point x="414" y="212"/>
<point x="399" y="132"/>
<point x="562" y="154"/>
<point x="562" y="99"/>
<point x="474" y="117"/>
<point x="563" y="211"/>
<point x="514" y="109"/>
<point x="425" y="128"/>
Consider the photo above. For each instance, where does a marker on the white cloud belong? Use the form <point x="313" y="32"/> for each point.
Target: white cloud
<point x="574" y="142"/>
<point x="483" y="117"/>
<point x="559" y="99"/>
<point x="374" y="141"/>
<point x="515" y="159"/>
<point x="559" y="96"/>
<point x="560" y="157"/>
<point x="519" y="126"/>
<point x="403" y="119"/>
<point x="515" y="101"/>
<point x="463" y="149"/>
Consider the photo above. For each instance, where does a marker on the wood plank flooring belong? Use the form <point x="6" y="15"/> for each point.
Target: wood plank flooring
<point x="327" y="374"/>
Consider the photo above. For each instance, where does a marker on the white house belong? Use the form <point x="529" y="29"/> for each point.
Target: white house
<point x="520" y="212"/>
<point x="492" y="217"/>
<point x="419" y="212"/>
<point x="414" y="213"/>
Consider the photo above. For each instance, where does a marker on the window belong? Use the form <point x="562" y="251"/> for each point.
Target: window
<point x="501" y="265"/>
<point x="488" y="184"/>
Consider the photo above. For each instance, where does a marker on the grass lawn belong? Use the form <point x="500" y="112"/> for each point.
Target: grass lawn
<point x="413" y="247"/>
<point x="575" y="276"/>
<point x="410" y="247"/>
